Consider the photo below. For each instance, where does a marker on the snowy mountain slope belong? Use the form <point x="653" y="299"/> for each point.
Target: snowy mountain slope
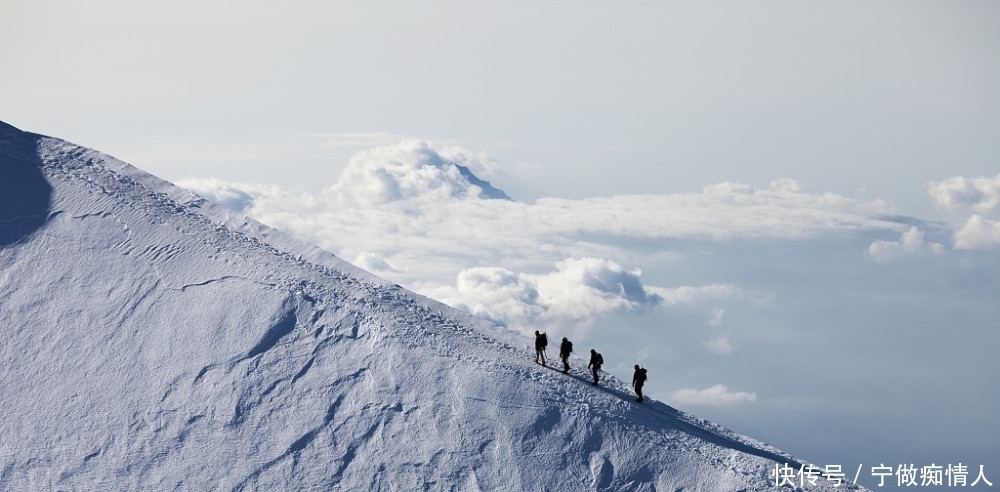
<point x="150" y="340"/>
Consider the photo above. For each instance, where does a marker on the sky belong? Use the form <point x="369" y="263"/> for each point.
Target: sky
<point x="788" y="211"/>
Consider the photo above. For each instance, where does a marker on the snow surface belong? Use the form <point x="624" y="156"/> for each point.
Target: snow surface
<point x="151" y="340"/>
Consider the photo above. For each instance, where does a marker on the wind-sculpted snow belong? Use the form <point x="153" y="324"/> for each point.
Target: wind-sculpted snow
<point x="153" y="341"/>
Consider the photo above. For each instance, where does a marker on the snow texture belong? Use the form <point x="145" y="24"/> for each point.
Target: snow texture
<point x="151" y="340"/>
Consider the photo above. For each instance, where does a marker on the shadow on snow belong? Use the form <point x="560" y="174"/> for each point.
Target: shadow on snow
<point x="25" y="195"/>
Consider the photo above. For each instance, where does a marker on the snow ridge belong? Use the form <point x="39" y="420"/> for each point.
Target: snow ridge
<point x="152" y="340"/>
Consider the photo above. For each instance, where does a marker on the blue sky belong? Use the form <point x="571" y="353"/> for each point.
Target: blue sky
<point x="800" y="198"/>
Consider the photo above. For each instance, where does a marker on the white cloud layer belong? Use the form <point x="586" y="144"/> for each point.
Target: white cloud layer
<point x="237" y="196"/>
<point x="412" y="170"/>
<point x="711" y="396"/>
<point x="419" y="215"/>
<point x="429" y="186"/>
<point x="566" y="299"/>
<point x="981" y="193"/>
<point x="687" y="294"/>
<point x="910" y="243"/>
<point x="373" y="263"/>
<point x="978" y="233"/>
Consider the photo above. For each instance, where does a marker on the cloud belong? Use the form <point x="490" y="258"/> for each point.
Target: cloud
<point x="910" y="243"/>
<point x="717" y="314"/>
<point x="981" y="193"/>
<point x="602" y="282"/>
<point x="255" y="199"/>
<point x="418" y="214"/>
<point x="687" y="294"/>
<point x="373" y="263"/>
<point x="568" y="298"/>
<point x="234" y="196"/>
<point x="721" y="345"/>
<point x="412" y="170"/>
<point x="978" y="233"/>
<point x="431" y="198"/>
<point x="497" y="294"/>
<point x="713" y="396"/>
<point x="720" y="212"/>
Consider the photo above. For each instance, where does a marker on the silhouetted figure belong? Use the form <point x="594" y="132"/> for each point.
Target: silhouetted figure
<point x="541" y="341"/>
<point x="596" y="361"/>
<point x="638" y="379"/>
<point x="565" y="349"/>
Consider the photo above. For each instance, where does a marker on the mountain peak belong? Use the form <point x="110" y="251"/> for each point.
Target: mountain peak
<point x="414" y="170"/>
<point x="153" y="340"/>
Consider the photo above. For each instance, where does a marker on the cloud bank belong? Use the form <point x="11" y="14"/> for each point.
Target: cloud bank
<point x="405" y="206"/>
<point x="981" y="193"/>
<point x="565" y="300"/>
<point x="978" y="233"/>
<point x="420" y="215"/>
<point x="712" y="396"/>
<point x="412" y="170"/>
<point x="910" y="243"/>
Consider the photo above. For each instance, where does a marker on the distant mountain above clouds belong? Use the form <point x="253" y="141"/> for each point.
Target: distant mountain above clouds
<point x="152" y="340"/>
<point x="488" y="191"/>
<point x="413" y="169"/>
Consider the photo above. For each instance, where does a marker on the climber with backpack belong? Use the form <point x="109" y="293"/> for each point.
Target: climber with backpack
<point x="565" y="349"/>
<point x="638" y="379"/>
<point x="541" y="341"/>
<point x="596" y="361"/>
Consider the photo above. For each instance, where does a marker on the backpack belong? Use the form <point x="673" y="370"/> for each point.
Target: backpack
<point x="641" y="375"/>
<point x="541" y="341"/>
<point x="567" y="347"/>
<point x="598" y="359"/>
